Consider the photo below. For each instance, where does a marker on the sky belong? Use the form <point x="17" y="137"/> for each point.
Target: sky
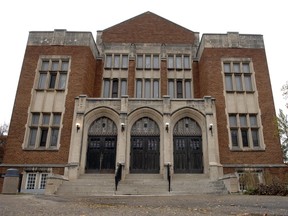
<point x="18" y="17"/>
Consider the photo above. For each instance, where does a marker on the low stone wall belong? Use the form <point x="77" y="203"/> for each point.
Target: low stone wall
<point x="53" y="183"/>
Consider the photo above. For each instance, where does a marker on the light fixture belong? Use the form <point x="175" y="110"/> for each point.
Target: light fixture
<point x="211" y="128"/>
<point x="122" y="127"/>
<point x="167" y="126"/>
<point x="77" y="127"/>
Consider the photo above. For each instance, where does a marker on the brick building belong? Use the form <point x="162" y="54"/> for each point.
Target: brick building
<point x="146" y="94"/>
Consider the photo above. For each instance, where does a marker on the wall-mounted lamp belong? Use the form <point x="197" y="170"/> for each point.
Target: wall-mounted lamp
<point x="77" y="127"/>
<point x="211" y="128"/>
<point x="122" y="127"/>
<point x="167" y="127"/>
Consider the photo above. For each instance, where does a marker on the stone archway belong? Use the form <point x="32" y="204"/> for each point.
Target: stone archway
<point x="145" y="146"/>
<point x="187" y="144"/>
<point x="102" y="144"/>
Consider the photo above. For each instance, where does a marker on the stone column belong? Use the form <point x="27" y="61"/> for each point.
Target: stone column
<point x="167" y="134"/>
<point x="215" y="168"/>
<point x="76" y="138"/>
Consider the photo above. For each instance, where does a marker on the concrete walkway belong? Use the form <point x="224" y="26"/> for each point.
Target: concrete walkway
<point x="143" y="205"/>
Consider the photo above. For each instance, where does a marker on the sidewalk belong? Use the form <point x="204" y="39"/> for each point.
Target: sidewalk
<point x="215" y="205"/>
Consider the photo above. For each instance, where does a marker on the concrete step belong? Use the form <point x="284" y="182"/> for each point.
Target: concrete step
<point x="89" y="185"/>
<point x="196" y="184"/>
<point x="143" y="184"/>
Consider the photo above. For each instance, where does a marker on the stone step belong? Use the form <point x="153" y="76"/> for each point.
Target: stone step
<point x="141" y="184"/>
<point x="89" y="185"/>
<point x="196" y="184"/>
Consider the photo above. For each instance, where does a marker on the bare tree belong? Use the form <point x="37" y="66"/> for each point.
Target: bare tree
<point x="4" y="129"/>
<point x="282" y="121"/>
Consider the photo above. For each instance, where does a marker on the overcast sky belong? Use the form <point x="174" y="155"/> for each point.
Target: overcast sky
<point x="18" y="17"/>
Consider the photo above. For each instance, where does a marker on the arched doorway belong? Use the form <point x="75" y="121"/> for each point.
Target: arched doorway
<point x="145" y="147"/>
<point x="102" y="143"/>
<point x="187" y="143"/>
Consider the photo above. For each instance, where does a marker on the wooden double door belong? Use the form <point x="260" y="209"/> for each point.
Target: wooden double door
<point x="188" y="155"/>
<point x="145" y="154"/>
<point x="101" y="154"/>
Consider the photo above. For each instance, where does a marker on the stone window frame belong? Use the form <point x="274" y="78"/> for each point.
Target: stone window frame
<point x="148" y="61"/>
<point x="173" y="85"/>
<point x="34" y="181"/>
<point x="142" y="92"/>
<point x="179" y="62"/>
<point x="238" y="79"/>
<point x="37" y="126"/>
<point x="109" y="90"/>
<point x="239" y="127"/>
<point x="52" y="73"/>
<point x="116" y="61"/>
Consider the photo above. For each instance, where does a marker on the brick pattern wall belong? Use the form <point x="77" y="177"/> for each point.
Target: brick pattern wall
<point x="211" y="83"/>
<point x="81" y="81"/>
<point x="164" y="79"/>
<point x="131" y="78"/>
<point x="145" y="28"/>
<point x="98" y="82"/>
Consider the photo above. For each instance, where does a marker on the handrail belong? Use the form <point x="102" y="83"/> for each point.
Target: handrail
<point x="118" y="175"/>
<point x="169" y="177"/>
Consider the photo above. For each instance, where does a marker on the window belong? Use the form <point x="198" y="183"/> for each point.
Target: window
<point x="36" y="180"/>
<point x="108" y="63"/>
<point x="147" y="88"/>
<point x="43" y="177"/>
<point x="31" y="179"/>
<point x="115" y="87"/>
<point x="238" y="77"/>
<point x="179" y="62"/>
<point x="179" y="88"/>
<point x="245" y="178"/>
<point x="53" y="74"/>
<point x="148" y="61"/>
<point x="156" y="62"/>
<point x="170" y="62"/>
<point x="187" y="62"/>
<point x="44" y="130"/>
<point x="116" y="61"/>
<point x="139" y="61"/>
<point x="124" y="61"/>
<point x="244" y="130"/>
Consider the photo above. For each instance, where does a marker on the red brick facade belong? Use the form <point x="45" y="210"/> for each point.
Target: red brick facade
<point x="86" y="78"/>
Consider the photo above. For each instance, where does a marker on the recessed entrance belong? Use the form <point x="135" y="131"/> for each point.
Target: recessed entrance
<point x="101" y="150"/>
<point x="187" y="144"/>
<point x="145" y="147"/>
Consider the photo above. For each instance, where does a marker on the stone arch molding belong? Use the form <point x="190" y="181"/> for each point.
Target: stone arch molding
<point x="97" y="113"/>
<point x="190" y="113"/>
<point x="144" y="112"/>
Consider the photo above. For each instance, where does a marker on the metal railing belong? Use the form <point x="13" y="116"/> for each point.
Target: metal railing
<point x="118" y="175"/>
<point x="169" y="177"/>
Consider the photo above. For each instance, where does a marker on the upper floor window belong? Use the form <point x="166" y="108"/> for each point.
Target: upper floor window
<point x="116" y="61"/>
<point x="238" y="77"/>
<point x="44" y="130"/>
<point x="148" y="61"/>
<point x="114" y="88"/>
<point x="244" y="130"/>
<point x="147" y="88"/>
<point x="179" y="62"/>
<point x="53" y="74"/>
<point x="178" y="88"/>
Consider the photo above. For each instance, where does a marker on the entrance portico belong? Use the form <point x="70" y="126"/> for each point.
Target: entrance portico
<point x="145" y="138"/>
